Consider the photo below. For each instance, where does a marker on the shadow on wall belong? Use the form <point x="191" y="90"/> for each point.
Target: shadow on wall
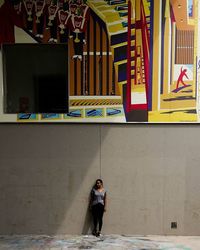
<point x="87" y="225"/>
<point x="47" y="172"/>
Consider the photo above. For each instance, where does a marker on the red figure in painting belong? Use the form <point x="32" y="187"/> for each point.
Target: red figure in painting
<point x="180" y="78"/>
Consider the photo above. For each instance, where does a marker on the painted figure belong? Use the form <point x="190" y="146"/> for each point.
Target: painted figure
<point x="180" y="78"/>
<point x="47" y="4"/>
<point x="63" y="22"/>
<point x="73" y="7"/>
<point x="79" y="17"/>
<point x="78" y="30"/>
<point x="40" y="16"/>
<point x="29" y="11"/>
<point x="52" y="23"/>
<point x="18" y="7"/>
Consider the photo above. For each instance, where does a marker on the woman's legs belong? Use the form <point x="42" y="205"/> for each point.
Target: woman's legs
<point x="100" y="216"/>
<point x="95" y="218"/>
<point x="97" y="211"/>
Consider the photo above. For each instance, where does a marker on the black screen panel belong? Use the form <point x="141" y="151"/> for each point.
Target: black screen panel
<point x="35" y="78"/>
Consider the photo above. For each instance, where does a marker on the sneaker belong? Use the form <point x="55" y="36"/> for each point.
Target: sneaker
<point x="98" y="234"/>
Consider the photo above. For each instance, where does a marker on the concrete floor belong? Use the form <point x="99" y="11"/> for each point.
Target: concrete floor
<point x="107" y="242"/>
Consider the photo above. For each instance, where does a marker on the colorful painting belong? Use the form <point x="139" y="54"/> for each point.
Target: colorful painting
<point x="129" y="60"/>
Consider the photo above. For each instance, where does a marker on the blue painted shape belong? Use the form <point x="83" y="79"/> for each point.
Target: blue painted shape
<point x="120" y="53"/>
<point x="122" y="7"/>
<point x="26" y="116"/>
<point x="190" y="8"/>
<point x="74" y="114"/>
<point x="50" y="116"/>
<point x="94" y="113"/>
<point x="119" y="38"/>
<point x="114" y="111"/>
<point x="122" y="72"/>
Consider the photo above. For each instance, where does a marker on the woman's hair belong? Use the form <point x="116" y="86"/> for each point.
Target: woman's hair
<point x="98" y="180"/>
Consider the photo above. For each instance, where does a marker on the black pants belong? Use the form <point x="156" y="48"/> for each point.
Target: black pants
<point x="97" y="212"/>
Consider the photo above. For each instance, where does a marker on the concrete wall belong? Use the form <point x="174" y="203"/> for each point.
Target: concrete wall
<point x="151" y="173"/>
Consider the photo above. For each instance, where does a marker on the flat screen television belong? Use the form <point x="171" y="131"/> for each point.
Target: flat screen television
<point x="35" y="78"/>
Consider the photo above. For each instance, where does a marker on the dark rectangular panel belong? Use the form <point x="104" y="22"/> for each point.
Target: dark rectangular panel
<point x="35" y="78"/>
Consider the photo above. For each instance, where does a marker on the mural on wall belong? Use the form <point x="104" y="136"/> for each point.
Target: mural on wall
<point x="129" y="60"/>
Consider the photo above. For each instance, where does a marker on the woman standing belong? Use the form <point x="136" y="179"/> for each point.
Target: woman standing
<point x="98" y="205"/>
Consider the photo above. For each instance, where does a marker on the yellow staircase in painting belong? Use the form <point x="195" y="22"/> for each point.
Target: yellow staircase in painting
<point x="115" y="16"/>
<point x="137" y="77"/>
<point x="137" y="57"/>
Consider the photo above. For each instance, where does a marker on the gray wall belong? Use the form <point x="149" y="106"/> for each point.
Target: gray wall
<point x="151" y="172"/>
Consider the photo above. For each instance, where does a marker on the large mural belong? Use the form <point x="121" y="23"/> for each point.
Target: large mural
<point x="129" y="60"/>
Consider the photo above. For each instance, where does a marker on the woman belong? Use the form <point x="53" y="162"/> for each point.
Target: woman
<point x="98" y="205"/>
